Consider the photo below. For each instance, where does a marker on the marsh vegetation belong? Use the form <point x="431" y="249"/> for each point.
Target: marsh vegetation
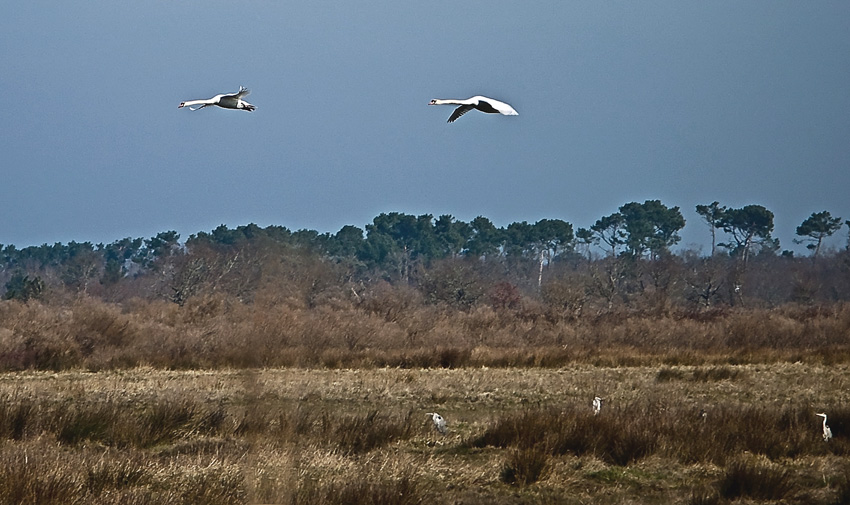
<point x="261" y="366"/>
<point x="667" y="434"/>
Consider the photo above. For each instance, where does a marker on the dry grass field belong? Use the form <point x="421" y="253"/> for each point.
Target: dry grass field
<point x="707" y="434"/>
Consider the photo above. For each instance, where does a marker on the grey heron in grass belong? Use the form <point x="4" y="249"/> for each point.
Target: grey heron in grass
<point x="597" y="405"/>
<point x="827" y="433"/>
<point x="439" y="422"/>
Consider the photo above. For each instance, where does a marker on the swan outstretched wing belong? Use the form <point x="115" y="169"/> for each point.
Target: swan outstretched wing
<point x="460" y="111"/>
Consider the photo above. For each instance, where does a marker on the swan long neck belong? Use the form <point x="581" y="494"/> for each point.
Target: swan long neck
<point x="449" y="101"/>
<point x="189" y="103"/>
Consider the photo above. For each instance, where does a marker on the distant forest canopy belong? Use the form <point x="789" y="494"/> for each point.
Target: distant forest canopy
<point x="621" y="259"/>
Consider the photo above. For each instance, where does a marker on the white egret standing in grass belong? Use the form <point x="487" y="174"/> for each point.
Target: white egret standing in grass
<point x="827" y="433"/>
<point x="439" y="422"/>
<point x="597" y="405"/>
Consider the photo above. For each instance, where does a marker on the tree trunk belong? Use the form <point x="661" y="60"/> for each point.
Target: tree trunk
<point x="540" y="272"/>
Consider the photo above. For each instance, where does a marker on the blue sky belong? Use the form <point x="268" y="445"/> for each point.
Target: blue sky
<point x="683" y="101"/>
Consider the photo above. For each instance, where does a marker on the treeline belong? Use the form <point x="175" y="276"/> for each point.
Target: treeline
<point x="415" y="291"/>
<point x="623" y="260"/>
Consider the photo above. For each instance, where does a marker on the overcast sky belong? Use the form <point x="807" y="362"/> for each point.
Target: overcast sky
<point x="688" y="102"/>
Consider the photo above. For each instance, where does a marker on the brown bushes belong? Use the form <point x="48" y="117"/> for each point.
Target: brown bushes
<point x="387" y="330"/>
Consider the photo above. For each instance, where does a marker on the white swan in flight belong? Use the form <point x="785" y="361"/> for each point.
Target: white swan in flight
<point x="479" y="102"/>
<point x="225" y="101"/>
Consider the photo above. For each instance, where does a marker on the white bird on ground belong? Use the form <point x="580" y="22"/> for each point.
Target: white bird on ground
<point x="481" y="103"/>
<point x="439" y="422"/>
<point x="827" y="433"/>
<point x="597" y="405"/>
<point x="225" y="101"/>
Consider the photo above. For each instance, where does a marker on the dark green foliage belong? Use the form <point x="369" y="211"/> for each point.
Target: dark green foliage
<point x="712" y="215"/>
<point x="20" y="287"/>
<point x="817" y="227"/>
<point x="609" y="230"/>
<point x="484" y="239"/>
<point x="750" y="228"/>
<point x="651" y="227"/>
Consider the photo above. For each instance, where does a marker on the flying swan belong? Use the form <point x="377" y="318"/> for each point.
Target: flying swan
<point x="479" y="102"/>
<point x="225" y="101"/>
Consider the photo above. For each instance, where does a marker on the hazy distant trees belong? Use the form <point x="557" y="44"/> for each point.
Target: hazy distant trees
<point x="119" y="258"/>
<point x="400" y="240"/>
<point x="540" y="242"/>
<point x="750" y="228"/>
<point x="451" y="235"/>
<point x="817" y="227"/>
<point x="485" y="239"/>
<point x="651" y="227"/>
<point x="608" y="230"/>
<point x="23" y="288"/>
<point x="347" y="242"/>
<point x="449" y="261"/>
<point x="712" y="214"/>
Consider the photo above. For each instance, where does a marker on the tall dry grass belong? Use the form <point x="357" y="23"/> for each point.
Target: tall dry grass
<point x="147" y="436"/>
<point x="378" y="331"/>
<point x="632" y="432"/>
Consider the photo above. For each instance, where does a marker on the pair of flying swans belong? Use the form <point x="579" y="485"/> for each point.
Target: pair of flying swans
<point x="225" y="101"/>
<point x="482" y="103"/>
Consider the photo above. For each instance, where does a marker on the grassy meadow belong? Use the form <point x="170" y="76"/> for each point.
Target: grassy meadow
<point x="666" y="434"/>
<point x="287" y="402"/>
